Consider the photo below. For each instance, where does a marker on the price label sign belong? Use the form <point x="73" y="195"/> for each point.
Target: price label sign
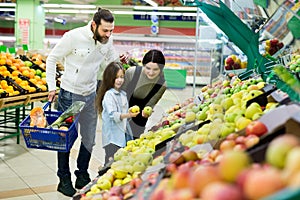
<point x="24" y="25"/>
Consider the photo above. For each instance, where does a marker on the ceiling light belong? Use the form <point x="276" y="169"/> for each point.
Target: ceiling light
<point x="185" y="8"/>
<point x="151" y="8"/>
<point x="8" y="5"/>
<point x="8" y="9"/>
<point x="77" y="6"/>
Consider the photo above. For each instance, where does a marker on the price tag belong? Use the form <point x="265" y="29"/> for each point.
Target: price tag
<point x="280" y="96"/>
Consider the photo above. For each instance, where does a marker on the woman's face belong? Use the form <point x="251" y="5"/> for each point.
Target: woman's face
<point x="119" y="80"/>
<point x="152" y="70"/>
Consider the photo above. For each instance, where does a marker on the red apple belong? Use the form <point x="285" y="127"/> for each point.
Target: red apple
<point x="229" y="61"/>
<point x="227" y="145"/>
<point x="251" y="140"/>
<point x="261" y="183"/>
<point x="202" y="176"/>
<point x="240" y="139"/>
<point x="180" y="179"/>
<point x="221" y="191"/>
<point x="189" y="155"/>
<point x="236" y="66"/>
<point x="256" y="128"/>
<point x="214" y="153"/>
<point x="171" y="167"/>
<point x="232" y="136"/>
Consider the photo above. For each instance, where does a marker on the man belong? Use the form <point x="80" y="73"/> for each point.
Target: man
<point x="81" y="50"/>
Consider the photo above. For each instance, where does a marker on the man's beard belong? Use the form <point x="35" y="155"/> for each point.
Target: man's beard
<point x="99" y="38"/>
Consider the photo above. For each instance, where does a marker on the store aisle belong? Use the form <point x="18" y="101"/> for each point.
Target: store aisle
<point x="30" y="174"/>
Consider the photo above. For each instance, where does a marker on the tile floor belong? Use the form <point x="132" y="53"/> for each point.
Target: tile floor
<point x="31" y="173"/>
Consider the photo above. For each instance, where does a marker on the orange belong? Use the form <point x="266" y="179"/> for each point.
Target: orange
<point x="14" y="67"/>
<point x="32" y="80"/>
<point x="23" y="83"/>
<point x="18" y="80"/>
<point x="44" y="81"/>
<point x="2" y="61"/>
<point x="25" y="73"/>
<point x="3" y="82"/>
<point x="16" y="92"/>
<point x="15" y="73"/>
<point x="4" y="86"/>
<point x="6" y="73"/>
<point x="37" y="77"/>
<point x="31" y="74"/>
<point x="3" y="68"/>
<point x="9" y="62"/>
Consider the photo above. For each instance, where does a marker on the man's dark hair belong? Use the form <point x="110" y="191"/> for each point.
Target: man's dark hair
<point x="104" y="14"/>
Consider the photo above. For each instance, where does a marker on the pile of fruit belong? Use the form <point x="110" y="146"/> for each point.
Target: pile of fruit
<point x="209" y="150"/>
<point x="272" y="46"/>
<point x="294" y="64"/>
<point x="17" y="73"/>
<point x="234" y="62"/>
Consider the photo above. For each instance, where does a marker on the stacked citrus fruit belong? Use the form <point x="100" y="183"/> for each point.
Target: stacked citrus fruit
<point x="16" y="69"/>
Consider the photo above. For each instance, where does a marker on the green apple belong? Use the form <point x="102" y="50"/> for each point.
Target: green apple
<point x="205" y="129"/>
<point x="159" y="159"/>
<point x="43" y="74"/>
<point x="279" y="148"/>
<point x="252" y="109"/>
<point x="117" y="182"/>
<point x="28" y="63"/>
<point x="226" y="129"/>
<point x="227" y="103"/>
<point x="232" y="164"/>
<point x="230" y="117"/>
<point x="120" y="153"/>
<point x="139" y="166"/>
<point x="104" y="184"/>
<point x="147" y="110"/>
<point x="145" y="158"/>
<point x="134" y="109"/>
<point x="201" y="115"/>
<point x="190" y="117"/>
<point x="242" y="122"/>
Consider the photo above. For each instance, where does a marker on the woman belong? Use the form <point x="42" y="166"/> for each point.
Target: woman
<point x="144" y="87"/>
<point x="113" y="105"/>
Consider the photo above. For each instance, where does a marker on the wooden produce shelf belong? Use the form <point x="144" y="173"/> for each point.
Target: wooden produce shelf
<point x="23" y="99"/>
<point x="13" y="111"/>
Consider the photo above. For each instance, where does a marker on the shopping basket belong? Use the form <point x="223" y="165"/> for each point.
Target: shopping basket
<point x="49" y="138"/>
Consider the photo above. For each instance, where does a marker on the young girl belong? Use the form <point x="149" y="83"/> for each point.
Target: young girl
<point x="113" y="105"/>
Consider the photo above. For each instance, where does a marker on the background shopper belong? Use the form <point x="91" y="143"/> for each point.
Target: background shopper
<point x="145" y="87"/>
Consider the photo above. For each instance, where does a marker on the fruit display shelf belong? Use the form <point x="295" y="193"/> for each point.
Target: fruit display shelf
<point x="237" y="112"/>
<point x="13" y="110"/>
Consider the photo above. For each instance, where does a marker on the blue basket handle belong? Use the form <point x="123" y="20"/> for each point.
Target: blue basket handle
<point x="47" y="105"/>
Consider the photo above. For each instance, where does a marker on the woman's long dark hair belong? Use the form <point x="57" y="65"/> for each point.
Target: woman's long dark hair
<point x="108" y="82"/>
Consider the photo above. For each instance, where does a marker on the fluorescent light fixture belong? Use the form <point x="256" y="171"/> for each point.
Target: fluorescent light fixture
<point x="8" y="9"/>
<point x="69" y="11"/>
<point x="8" y="5"/>
<point x="119" y="12"/>
<point x="152" y="3"/>
<point x="49" y="5"/>
<point x="185" y="8"/>
<point x="189" y="14"/>
<point x="151" y="8"/>
<point x="165" y="13"/>
<point x="76" y="6"/>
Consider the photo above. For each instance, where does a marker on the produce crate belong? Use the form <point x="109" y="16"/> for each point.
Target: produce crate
<point x="48" y="138"/>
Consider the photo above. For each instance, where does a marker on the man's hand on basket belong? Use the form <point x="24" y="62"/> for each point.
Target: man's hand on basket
<point x="52" y="96"/>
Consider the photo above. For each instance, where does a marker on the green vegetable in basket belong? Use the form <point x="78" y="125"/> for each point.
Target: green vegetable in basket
<point x="74" y="109"/>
